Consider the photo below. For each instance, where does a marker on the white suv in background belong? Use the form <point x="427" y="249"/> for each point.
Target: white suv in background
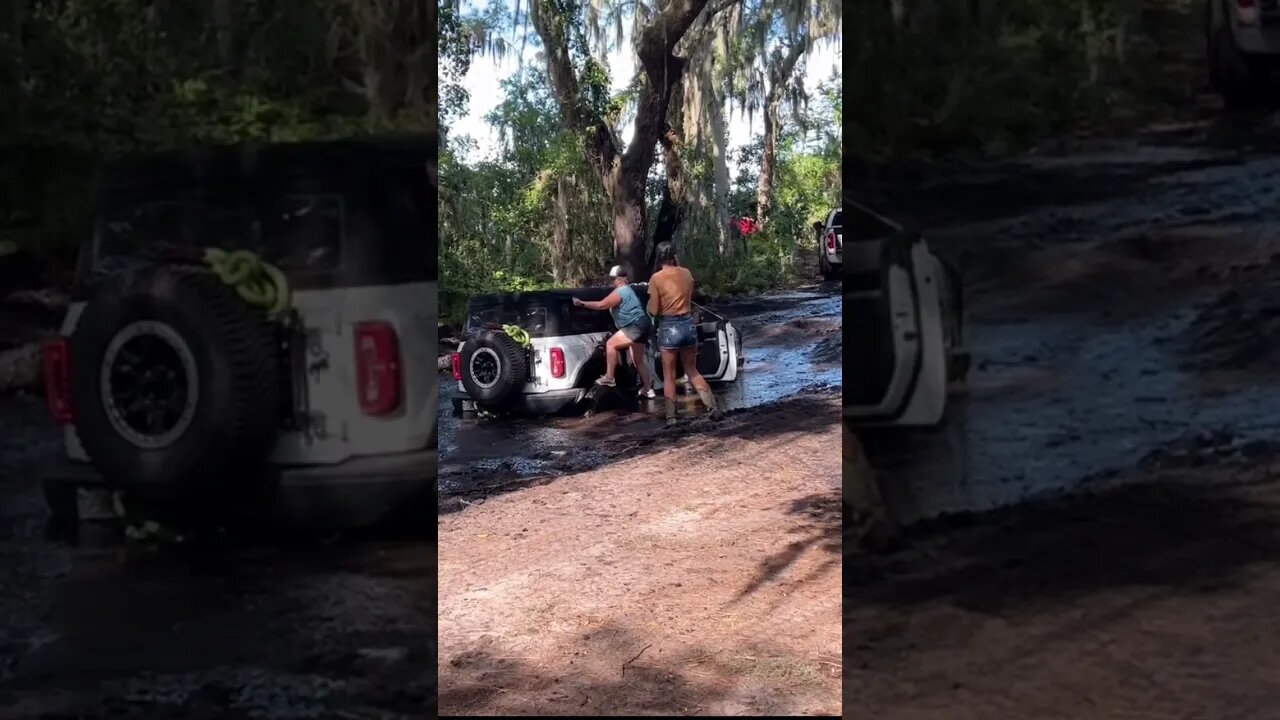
<point x="831" y="245"/>
<point x="1243" y="44"/>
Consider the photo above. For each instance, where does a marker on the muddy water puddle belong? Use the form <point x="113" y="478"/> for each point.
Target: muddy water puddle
<point x="791" y="342"/>
<point x="1058" y="401"/>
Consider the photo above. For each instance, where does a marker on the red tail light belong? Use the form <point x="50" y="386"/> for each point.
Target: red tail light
<point x="831" y="241"/>
<point x="456" y="359"/>
<point x="378" y="374"/>
<point x="557" y="363"/>
<point x="57" y="380"/>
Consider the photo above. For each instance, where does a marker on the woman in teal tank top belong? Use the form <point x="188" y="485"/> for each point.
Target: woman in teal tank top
<point x="634" y="329"/>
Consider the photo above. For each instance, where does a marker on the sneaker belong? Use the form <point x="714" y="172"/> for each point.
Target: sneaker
<point x="606" y="381"/>
<point x="650" y="394"/>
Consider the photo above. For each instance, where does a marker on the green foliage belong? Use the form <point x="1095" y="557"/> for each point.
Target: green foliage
<point x="534" y="213"/>
<point x="82" y="80"/>
<point x="1015" y="73"/>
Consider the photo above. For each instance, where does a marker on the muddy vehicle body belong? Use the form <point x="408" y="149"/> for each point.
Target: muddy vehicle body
<point x="831" y="244"/>
<point x="175" y="390"/>
<point x="564" y="354"/>
<point x="1242" y="48"/>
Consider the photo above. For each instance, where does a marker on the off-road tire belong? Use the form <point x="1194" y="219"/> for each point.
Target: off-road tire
<point x="234" y="419"/>
<point x="511" y="372"/>
<point x="829" y="273"/>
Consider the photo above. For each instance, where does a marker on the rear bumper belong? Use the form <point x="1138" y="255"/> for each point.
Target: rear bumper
<point x="1261" y="40"/>
<point x="355" y="493"/>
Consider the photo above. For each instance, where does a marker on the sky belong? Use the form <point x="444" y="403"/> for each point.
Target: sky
<point x="485" y="74"/>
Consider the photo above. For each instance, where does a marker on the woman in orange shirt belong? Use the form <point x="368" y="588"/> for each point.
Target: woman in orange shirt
<point x="670" y="301"/>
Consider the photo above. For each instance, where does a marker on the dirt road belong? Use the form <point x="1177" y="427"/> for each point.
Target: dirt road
<point x="699" y="574"/>
<point x="641" y="570"/>
<point x="1094" y="534"/>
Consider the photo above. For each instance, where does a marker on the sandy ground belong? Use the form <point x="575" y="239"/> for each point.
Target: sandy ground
<point x="1151" y="600"/>
<point x="700" y="575"/>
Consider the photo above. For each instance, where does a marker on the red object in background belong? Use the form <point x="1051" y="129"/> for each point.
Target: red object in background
<point x="746" y="225"/>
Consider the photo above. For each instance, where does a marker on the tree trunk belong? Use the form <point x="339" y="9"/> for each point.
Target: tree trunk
<point x="560" y="236"/>
<point x="622" y="174"/>
<point x="720" y="157"/>
<point x="768" y="161"/>
<point x="675" y="194"/>
<point x="629" y="228"/>
<point x="224" y="29"/>
<point x="779" y="76"/>
<point x="898" y="11"/>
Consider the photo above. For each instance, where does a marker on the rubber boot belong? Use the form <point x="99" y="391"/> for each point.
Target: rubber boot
<point x="710" y="401"/>
<point x="671" y="412"/>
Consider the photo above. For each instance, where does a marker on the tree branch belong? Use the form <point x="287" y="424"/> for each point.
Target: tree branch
<point x="574" y="113"/>
<point x="663" y="69"/>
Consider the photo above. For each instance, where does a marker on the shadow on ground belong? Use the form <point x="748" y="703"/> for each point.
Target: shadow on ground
<point x="818" y="525"/>
<point x="618" y="671"/>
<point x="1172" y="534"/>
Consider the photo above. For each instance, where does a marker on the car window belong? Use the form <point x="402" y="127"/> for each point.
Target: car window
<point x="295" y="232"/>
<point x="305" y="232"/>
<point x="532" y="320"/>
<point x="125" y="231"/>
<point x="582" y="320"/>
<point x="837" y="222"/>
<point x="409" y="204"/>
<point x="868" y="227"/>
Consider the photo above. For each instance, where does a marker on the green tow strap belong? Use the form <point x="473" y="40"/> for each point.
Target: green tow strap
<point x="516" y="333"/>
<point x="256" y="281"/>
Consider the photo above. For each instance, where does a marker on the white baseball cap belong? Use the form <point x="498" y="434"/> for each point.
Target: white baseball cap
<point x="616" y="271"/>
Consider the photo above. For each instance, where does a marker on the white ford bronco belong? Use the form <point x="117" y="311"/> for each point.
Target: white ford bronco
<point x="175" y="388"/>
<point x="831" y="244"/>
<point x="564" y="352"/>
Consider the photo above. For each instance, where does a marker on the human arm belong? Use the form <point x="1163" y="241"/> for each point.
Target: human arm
<point x="610" y="302"/>
<point x="654" y="303"/>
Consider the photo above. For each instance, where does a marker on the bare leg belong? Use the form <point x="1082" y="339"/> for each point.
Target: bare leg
<point x="669" y="381"/>
<point x="689" y="359"/>
<point x="642" y="367"/>
<point x="616" y="344"/>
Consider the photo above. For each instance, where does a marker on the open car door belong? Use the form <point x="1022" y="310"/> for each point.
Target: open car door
<point x="718" y="344"/>
<point x="895" y="328"/>
<point x="714" y="358"/>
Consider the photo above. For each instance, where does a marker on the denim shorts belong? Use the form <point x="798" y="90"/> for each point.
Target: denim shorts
<point x="638" y="332"/>
<point x="675" y="332"/>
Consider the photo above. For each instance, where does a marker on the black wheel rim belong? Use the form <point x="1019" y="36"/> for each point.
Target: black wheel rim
<point x="148" y="384"/>
<point x="484" y="368"/>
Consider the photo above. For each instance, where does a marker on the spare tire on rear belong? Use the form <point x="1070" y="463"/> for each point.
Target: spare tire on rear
<point x="494" y="367"/>
<point x="175" y="382"/>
